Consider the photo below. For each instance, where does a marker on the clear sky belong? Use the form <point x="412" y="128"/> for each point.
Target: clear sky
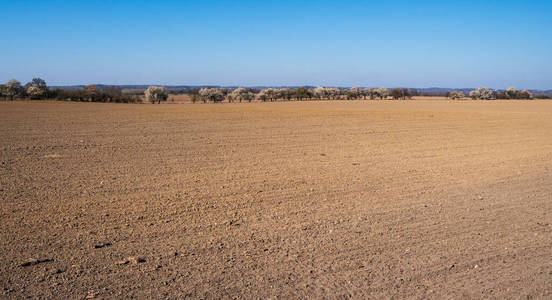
<point x="335" y="43"/>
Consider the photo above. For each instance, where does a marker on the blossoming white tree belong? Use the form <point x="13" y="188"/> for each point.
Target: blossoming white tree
<point x="382" y="93"/>
<point x="262" y="95"/>
<point x="334" y="93"/>
<point x="321" y="92"/>
<point x="269" y="94"/>
<point x="510" y="93"/>
<point x="242" y="94"/>
<point x="156" y="94"/>
<point x="12" y="88"/>
<point x="35" y="92"/>
<point x="211" y="94"/>
<point x="481" y="93"/>
<point x="355" y="92"/>
<point x="37" y="88"/>
<point x="525" y="94"/>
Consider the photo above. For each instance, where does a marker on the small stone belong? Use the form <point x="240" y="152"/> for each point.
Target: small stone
<point x="476" y="266"/>
<point x="102" y="245"/>
<point x="122" y="262"/>
<point x="136" y="259"/>
<point x="30" y="262"/>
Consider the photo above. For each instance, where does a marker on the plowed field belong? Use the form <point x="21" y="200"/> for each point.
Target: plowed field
<point x="363" y="199"/>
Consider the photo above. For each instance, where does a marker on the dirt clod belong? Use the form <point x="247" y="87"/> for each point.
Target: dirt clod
<point x="122" y="262"/>
<point x="34" y="261"/>
<point x="136" y="259"/>
<point x="102" y="245"/>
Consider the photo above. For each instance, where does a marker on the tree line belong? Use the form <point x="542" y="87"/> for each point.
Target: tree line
<point x="286" y="94"/>
<point x="483" y="93"/>
<point x="37" y="89"/>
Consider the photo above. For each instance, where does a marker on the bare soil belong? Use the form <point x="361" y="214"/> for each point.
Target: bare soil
<point x="329" y="199"/>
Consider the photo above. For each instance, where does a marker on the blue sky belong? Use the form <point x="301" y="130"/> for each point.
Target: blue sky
<point x="334" y="43"/>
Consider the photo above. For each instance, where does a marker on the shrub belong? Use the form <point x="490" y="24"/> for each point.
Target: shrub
<point x="194" y="95"/>
<point x="456" y="95"/>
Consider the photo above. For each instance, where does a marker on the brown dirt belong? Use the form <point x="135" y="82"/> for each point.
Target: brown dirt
<point x="404" y="199"/>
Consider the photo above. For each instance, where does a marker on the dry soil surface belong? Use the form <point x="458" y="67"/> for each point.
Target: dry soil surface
<point x="334" y="199"/>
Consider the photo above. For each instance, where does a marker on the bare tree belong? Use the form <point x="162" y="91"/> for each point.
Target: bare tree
<point x="92" y="92"/>
<point x="302" y="93"/>
<point x="365" y="93"/>
<point x="38" y="82"/>
<point x="396" y="93"/>
<point x="286" y="93"/>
